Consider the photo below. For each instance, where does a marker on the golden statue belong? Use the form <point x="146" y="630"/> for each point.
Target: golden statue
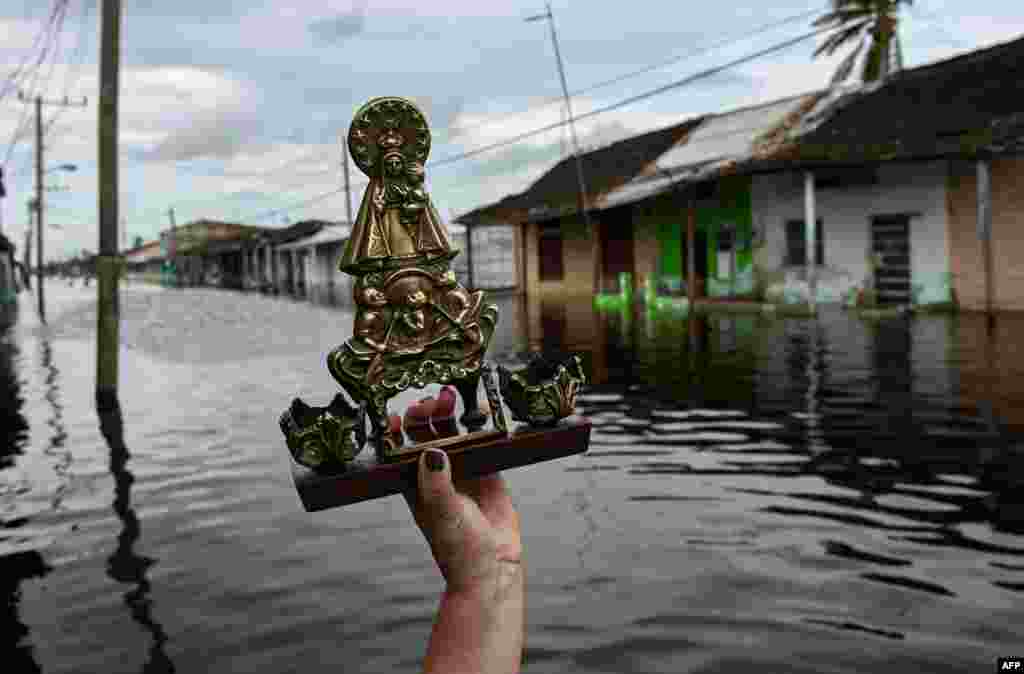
<point x="397" y="223"/>
<point x="415" y="324"/>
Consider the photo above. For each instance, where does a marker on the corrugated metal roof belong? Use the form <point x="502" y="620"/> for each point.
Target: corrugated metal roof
<point x="731" y="134"/>
<point x="329" y="234"/>
<point x="958" y="107"/>
<point x="604" y="168"/>
<point x="711" y="147"/>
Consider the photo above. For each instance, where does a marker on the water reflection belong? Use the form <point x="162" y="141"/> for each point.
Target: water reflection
<point x="125" y="565"/>
<point x="60" y="457"/>
<point x="13" y="425"/>
<point x="15" y="565"/>
<point x="861" y="426"/>
<point x="14" y="568"/>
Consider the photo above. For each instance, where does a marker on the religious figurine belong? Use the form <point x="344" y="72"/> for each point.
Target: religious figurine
<point x="415" y="325"/>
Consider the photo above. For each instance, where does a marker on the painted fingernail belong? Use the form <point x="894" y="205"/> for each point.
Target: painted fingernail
<point x="435" y="460"/>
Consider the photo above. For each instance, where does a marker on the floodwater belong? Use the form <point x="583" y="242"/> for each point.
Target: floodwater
<point x="807" y="496"/>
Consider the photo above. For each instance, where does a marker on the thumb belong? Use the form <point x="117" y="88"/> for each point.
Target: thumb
<point x="442" y="510"/>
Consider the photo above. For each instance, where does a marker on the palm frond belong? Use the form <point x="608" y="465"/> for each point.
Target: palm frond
<point x="847" y="64"/>
<point x="841" y="38"/>
<point x="873" y="63"/>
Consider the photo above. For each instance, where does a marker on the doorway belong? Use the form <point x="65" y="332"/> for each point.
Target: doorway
<point x="890" y="244"/>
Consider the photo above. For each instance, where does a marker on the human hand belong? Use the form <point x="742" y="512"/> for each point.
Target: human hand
<point x="472" y="528"/>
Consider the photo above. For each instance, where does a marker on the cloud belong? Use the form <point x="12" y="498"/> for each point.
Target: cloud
<point x="339" y="28"/>
<point x="221" y="135"/>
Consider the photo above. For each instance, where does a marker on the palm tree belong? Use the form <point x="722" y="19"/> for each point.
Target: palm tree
<point x="868" y="23"/>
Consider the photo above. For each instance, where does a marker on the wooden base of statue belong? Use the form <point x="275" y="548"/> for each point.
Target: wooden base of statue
<point x="472" y="454"/>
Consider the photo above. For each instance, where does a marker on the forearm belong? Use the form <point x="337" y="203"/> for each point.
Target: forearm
<point x="480" y="630"/>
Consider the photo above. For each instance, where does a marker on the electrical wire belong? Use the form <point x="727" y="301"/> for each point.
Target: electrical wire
<point x="608" y="108"/>
<point x="51" y="39"/>
<point x="453" y="131"/>
<point x="643" y="71"/>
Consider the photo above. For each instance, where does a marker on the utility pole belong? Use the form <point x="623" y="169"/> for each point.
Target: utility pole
<point x="38" y="203"/>
<point x="582" y="198"/>
<point x="3" y="193"/>
<point x="107" y="260"/>
<point x="172" y="246"/>
<point x="27" y="265"/>
<point x="348" y="189"/>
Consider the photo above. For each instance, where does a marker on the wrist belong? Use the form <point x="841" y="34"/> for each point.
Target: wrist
<point x="503" y="581"/>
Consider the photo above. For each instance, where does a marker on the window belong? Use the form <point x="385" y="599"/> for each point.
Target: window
<point x="549" y="250"/>
<point x="796" y="243"/>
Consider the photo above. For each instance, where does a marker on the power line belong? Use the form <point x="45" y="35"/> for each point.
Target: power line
<point x="292" y="207"/>
<point x="45" y="33"/>
<point x="78" y="57"/>
<point x="52" y="33"/>
<point x="628" y="101"/>
<point x="608" y="108"/>
<point x="459" y="130"/>
<point x="643" y="71"/>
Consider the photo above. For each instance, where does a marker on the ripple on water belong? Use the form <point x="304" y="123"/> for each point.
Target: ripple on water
<point x="198" y="548"/>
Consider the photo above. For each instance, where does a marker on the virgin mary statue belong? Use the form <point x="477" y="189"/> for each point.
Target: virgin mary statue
<point x="397" y="223"/>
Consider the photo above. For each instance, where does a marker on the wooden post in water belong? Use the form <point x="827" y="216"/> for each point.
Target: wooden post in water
<point x="810" y="220"/>
<point x="984" y="189"/>
<point x="691" y="252"/>
<point x="108" y="261"/>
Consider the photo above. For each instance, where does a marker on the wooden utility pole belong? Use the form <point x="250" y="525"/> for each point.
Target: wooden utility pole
<point x="984" y="191"/>
<point x="28" y="247"/>
<point x="691" y="249"/>
<point x="348" y="190"/>
<point x="108" y="261"/>
<point x="38" y="203"/>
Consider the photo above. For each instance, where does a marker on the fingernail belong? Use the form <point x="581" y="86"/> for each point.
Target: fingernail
<point x="435" y="460"/>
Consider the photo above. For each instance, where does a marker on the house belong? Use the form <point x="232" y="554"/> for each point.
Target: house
<point x="905" y="177"/>
<point x="313" y="260"/>
<point x="272" y="268"/>
<point x="889" y="173"/>
<point x="145" y="260"/>
<point x="552" y="251"/>
<point x="208" y="252"/>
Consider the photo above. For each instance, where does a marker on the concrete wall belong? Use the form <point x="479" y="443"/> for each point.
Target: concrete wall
<point x="579" y="261"/>
<point x="966" y="258"/>
<point x="919" y="189"/>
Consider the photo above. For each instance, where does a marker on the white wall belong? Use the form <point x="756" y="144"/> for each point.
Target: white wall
<point x="845" y="212"/>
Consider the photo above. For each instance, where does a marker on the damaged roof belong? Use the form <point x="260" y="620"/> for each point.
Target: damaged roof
<point x="960" y="107"/>
<point x="715" y="146"/>
<point x="604" y="169"/>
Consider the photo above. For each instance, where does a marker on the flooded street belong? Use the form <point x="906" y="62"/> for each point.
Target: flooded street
<point x="807" y="496"/>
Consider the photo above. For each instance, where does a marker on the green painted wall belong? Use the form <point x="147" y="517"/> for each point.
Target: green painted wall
<point x="733" y="206"/>
<point x="670" y="249"/>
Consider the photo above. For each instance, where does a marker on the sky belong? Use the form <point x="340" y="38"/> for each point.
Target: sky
<point x="236" y="109"/>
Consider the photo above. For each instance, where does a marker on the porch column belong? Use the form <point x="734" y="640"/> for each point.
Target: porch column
<point x="809" y="225"/>
<point x="691" y="253"/>
<point x="984" y="189"/>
